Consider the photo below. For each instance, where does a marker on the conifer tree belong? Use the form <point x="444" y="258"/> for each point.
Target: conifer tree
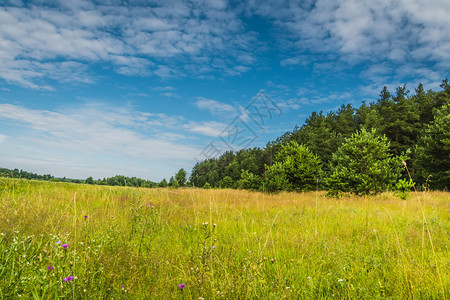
<point x="364" y="165"/>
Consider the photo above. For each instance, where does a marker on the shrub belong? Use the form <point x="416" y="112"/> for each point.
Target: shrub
<point x="226" y="182"/>
<point x="275" y="179"/>
<point x="249" y="181"/>
<point x="363" y="165"/>
<point x="296" y="168"/>
<point x="403" y="188"/>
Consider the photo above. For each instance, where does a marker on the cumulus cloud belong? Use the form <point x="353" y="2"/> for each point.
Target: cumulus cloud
<point x="198" y="38"/>
<point x="135" y="38"/>
<point x="412" y="33"/>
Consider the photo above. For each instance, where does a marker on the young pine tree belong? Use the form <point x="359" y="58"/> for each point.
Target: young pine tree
<point x="296" y="168"/>
<point x="363" y="165"/>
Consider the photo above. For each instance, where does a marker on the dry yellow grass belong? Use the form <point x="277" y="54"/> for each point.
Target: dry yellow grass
<point x="292" y="245"/>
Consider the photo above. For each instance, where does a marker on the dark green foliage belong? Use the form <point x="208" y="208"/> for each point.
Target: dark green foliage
<point x="296" y="168"/>
<point x="180" y="177"/>
<point x="401" y="117"/>
<point x="230" y="164"/>
<point x="368" y="117"/>
<point x="433" y="150"/>
<point x="275" y="179"/>
<point x="364" y="165"/>
<point x="163" y="183"/>
<point x="249" y="181"/>
<point x="416" y="122"/>
<point x="200" y="171"/>
<point x="317" y="134"/>
<point x="226" y="182"/>
<point x="175" y="184"/>
<point x="26" y="175"/>
<point x="118" y="180"/>
<point x="344" y="121"/>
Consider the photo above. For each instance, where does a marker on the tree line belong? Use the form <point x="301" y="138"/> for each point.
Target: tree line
<point x="16" y="173"/>
<point x="118" y="180"/>
<point x="361" y="150"/>
<point x="394" y="142"/>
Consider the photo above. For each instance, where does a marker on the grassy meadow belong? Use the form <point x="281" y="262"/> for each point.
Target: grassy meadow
<point x="62" y="240"/>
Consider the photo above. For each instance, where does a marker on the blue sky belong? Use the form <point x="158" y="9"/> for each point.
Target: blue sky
<point x="143" y="88"/>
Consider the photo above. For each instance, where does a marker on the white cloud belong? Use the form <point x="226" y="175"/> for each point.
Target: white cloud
<point x="94" y="137"/>
<point x="135" y="39"/>
<point x="289" y="104"/>
<point x="302" y="60"/>
<point x="129" y="65"/>
<point x="166" y="88"/>
<point x="97" y="131"/>
<point x="165" y="72"/>
<point x="215" y="107"/>
<point x="211" y="128"/>
<point x="413" y="32"/>
<point x="3" y="138"/>
<point x="163" y="120"/>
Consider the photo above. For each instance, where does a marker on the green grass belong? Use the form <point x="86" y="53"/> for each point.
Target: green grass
<point x="262" y="246"/>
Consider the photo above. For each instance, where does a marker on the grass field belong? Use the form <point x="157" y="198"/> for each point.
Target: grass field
<point x="130" y="243"/>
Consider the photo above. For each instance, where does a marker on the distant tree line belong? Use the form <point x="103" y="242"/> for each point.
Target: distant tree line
<point x="118" y="180"/>
<point x="178" y="180"/>
<point x="360" y="150"/>
<point x="16" y="173"/>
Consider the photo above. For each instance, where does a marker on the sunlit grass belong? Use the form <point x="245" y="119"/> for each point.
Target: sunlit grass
<point x="145" y="243"/>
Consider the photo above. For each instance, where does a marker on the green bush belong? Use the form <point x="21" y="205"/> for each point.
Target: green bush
<point x="364" y="165"/>
<point x="249" y="181"/>
<point x="226" y="182"/>
<point x="296" y="168"/>
<point x="403" y="188"/>
<point x="275" y="179"/>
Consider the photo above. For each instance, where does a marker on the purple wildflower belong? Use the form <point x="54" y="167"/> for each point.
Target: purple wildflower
<point x="58" y="242"/>
<point x="150" y="205"/>
<point x="65" y="245"/>
<point x="68" y="278"/>
<point x="86" y="217"/>
<point x="181" y="286"/>
<point x="50" y="268"/>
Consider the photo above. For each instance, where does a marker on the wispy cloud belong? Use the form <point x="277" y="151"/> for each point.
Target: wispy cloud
<point x="215" y="107"/>
<point x="135" y="39"/>
<point x="3" y="138"/>
<point x="210" y="129"/>
<point x="302" y="60"/>
<point x="97" y="131"/>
